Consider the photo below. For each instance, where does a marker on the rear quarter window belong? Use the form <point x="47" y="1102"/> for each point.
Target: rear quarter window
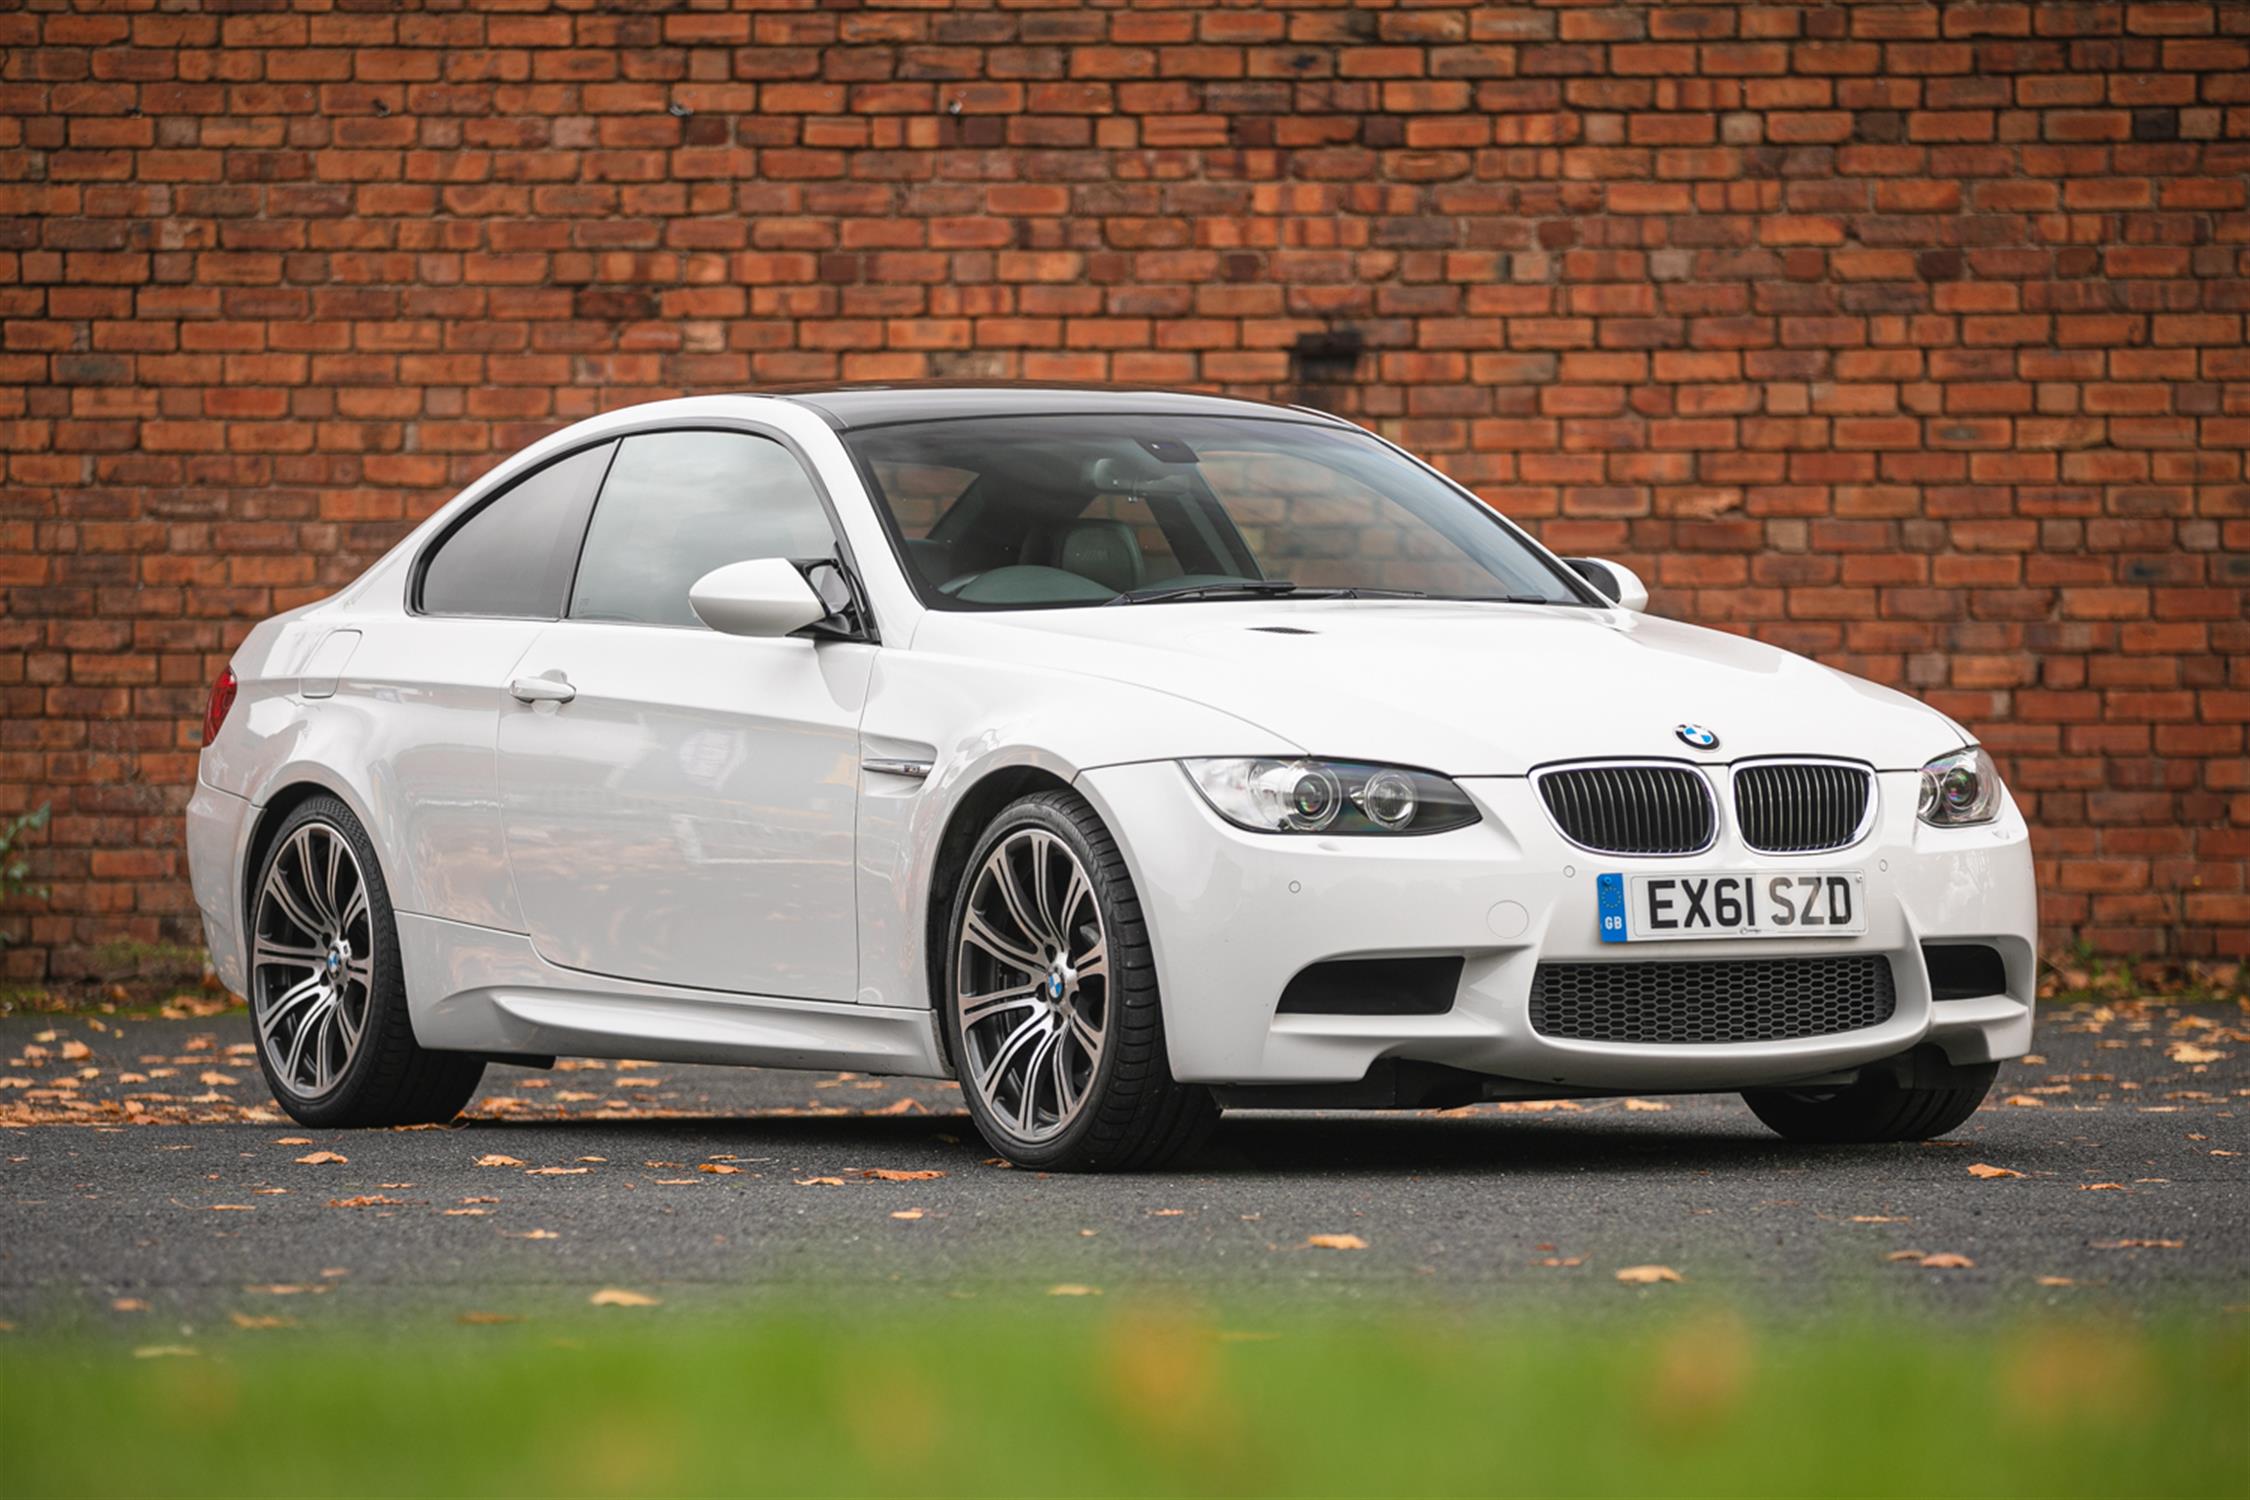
<point x="513" y="557"/>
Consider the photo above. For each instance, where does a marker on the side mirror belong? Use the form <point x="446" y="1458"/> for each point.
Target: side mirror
<point x="765" y="596"/>
<point x="1613" y="581"/>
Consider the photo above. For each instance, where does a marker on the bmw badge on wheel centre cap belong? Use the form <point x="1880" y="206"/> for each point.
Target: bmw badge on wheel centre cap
<point x="1697" y="736"/>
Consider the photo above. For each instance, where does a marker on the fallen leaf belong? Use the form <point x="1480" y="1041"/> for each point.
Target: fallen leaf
<point x="2101" y="1187"/>
<point x="1987" y="1171"/>
<point x="261" y="1320"/>
<point x="219" y="1080"/>
<point x="467" y="1213"/>
<point x="73" y="1051"/>
<point x="1073" y="1289"/>
<point x="1878" y="1219"/>
<point x="164" y="1351"/>
<point x="1645" y="1106"/>
<point x="486" y="1319"/>
<point x="2056" y="1281"/>
<point x="717" y="1168"/>
<point x="558" y="1171"/>
<point x="818" y="1181"/>
<point x="906" y="1213"/>
<point x="494" y="1159"/>
<point x="1647" y="1275"/>
<point x="617" y="1296"/>
<point x="1947" y="1260"/>
<point x="1335" y="1242"/>
<point x="1903" y="1255"/>
<point x="2139" y="1244"/>
<point x="321" y="1158"/>
<point x="534" y="1234"/>
<point x="294" y="1140"/>
<point x="887" y="1174"/>
<point x="2179" y="1052"/>
<point x="366" y="1200"/>
<point x="232" y="1208"/>
<point x="128" y="1304"/>
<point x="2024" y="1101"/>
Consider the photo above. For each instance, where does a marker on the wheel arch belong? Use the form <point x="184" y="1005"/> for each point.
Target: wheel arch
<point x="291" y="789"/>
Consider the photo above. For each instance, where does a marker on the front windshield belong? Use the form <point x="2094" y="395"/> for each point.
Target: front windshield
<point x="1050" y="512"/>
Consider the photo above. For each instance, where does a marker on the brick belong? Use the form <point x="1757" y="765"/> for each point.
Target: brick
<point x="1911" y="335"/>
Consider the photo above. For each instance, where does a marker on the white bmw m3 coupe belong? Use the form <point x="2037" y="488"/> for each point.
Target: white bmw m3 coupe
<point x="1125" y="756"/>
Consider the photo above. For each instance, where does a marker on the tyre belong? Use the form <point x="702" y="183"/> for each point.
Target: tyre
<point x="327" y="999"/>
<point x="1051" y="1009"/>
<point x="1872" y="1110"/>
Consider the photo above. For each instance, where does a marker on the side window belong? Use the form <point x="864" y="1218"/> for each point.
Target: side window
<point x="678" y="504"/>
<point x="512" y="559"/>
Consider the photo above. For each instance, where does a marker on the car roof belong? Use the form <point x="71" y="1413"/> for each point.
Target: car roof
<point x="843" y="407"/>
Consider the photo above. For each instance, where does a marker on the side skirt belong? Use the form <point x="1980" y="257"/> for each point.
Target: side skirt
<point x="476" y="989"/>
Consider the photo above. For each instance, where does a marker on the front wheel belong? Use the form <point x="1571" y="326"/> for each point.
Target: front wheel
<point x="1873" y="1109"/>
<point x="1051" y="1008"/>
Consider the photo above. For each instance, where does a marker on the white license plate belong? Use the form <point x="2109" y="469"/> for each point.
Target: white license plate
<point x="1673" y="908"/>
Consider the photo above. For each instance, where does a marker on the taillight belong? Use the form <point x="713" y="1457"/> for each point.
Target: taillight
<point x="222" y="699"/>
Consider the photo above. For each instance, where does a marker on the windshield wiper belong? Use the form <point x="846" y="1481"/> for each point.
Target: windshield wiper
<point x="1257" y="588"/>
<point x="1249" y="587"/>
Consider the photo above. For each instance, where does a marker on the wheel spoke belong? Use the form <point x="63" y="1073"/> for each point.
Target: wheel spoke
<point x="1095" y="963"/>
<point x="1027" y="1102"/>
<point x="292" y="906"/>
<point x="332" y="894"/>
<point x="1003" y="871"/>
<point x="1041" y="883"/>
<point x="310" y="882"/>
<point x="306" y="1026"/>
<point x="975" y="1008"/>
<point x="288" y="955"/>
<point x="354" y="910"/>
<point x="979" y="931"/>
<point x="279" y="1007"/>
<point x="362" y="972"/>
<point x="996" y="1069"/>
<point x="1058" y="1063"/>
<point x="1089" y="1040"/>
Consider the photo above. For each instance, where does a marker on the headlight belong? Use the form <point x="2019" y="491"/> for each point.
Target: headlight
<point x="1960" y="788"/>
<point x="1329" y="796"/>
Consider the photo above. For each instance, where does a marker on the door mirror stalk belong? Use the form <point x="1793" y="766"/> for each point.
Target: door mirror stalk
<point x="1615" y="582"/>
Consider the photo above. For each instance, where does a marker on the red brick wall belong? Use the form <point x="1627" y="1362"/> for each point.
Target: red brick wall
<point x="1908" y="336"/>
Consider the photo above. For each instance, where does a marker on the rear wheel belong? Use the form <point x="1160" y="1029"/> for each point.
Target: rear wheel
<point x="326" y="995"/>
<point x="1873" y="1109"/>
<point x="1051" y="1009"/>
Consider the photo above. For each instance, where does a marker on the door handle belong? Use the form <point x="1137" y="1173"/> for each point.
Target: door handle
<point x="541" y="690"/>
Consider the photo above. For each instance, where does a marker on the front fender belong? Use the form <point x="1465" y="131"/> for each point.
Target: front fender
<point x="971" y="721"/>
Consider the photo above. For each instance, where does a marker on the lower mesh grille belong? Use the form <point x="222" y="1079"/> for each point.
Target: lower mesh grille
<point x="1710" y="1002"/>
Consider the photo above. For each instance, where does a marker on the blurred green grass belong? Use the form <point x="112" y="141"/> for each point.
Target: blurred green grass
<point x="1132" y="1396"/>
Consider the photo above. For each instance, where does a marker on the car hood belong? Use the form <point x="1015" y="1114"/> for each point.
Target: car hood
<point x="1466" y="689"/>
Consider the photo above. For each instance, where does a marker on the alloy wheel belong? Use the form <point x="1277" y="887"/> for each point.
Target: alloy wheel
<point x="1032" y="985"/>
<point x="312" y="962"/>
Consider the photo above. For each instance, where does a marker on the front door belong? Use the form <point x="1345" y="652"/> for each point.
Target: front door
<point x="680" y="805"/>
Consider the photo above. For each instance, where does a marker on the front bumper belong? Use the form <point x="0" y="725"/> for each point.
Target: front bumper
<point x="1234" y="915"/>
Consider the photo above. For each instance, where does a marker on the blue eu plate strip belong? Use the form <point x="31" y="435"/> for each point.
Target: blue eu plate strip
<point x="1609" y="890"/>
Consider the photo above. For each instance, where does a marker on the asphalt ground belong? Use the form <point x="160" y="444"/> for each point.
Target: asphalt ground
<point x="147" y="1180"/>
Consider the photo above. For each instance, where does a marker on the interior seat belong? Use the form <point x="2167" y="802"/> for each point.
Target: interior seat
<point x="1106" y="551"/>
